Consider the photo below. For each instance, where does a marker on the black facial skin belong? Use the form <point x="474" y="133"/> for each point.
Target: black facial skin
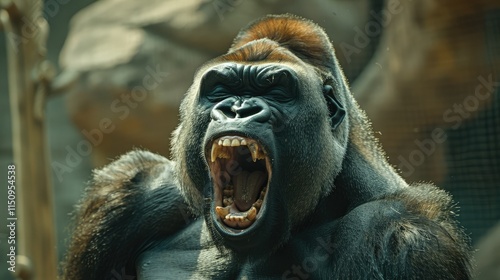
<point x="252" y="101"/>
<point x="248" y="100"/>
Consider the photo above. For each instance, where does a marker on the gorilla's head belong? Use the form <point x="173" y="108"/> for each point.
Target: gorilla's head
<point x="262" y="134"/>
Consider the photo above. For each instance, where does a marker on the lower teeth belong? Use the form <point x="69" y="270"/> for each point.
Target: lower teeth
<point x="231" y="216"/>
<point x="236" y="219"/>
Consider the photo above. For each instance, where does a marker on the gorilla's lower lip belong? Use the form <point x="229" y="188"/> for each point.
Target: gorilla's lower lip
<point x="241" y="173"/>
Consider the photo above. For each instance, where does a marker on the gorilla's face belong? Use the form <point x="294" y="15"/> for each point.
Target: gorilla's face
<point x="247" y="104"/>
<point x="262" y="135"/>
<point x="264" y="132"/>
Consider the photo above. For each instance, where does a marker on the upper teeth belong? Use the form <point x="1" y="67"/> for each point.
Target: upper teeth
<point x="232" y="141"/>
<point x="235" y="141"/>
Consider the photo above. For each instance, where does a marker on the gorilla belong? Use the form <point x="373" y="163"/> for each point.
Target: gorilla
<point x="275" y="175"/>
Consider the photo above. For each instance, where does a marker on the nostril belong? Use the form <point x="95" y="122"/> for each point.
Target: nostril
<point x="231" y="114"/>
<point x="254" y="109"/>
<point x="247" y="111"/>
<point x="220" y="114"/>
<point x="251" y="109"/>
<point x="223" y="110"/>
<point x="217" y="115"/>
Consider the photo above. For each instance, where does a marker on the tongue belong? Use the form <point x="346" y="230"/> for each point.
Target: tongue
<point x="247" y="188"/>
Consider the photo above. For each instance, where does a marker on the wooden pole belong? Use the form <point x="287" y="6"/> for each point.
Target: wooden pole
<point x="28" y="77"/>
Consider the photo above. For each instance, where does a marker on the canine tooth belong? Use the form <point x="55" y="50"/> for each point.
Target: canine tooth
<point x="226" y="142"/>
<point x="220" y="142"/>
<point x="235" y="143"/>
<point x="252" y="213"/>
<point x="254" y="150"/>
<point x="222" y="211"/>
<point x="215" y="149"/>
<point x="254" y="157"/>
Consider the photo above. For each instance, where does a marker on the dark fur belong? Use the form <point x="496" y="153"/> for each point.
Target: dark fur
<point x="109" y="233"/>
<point x="329" y="187"/>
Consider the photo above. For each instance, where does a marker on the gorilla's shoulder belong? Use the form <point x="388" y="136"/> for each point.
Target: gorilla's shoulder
<point x="409" y="207"/>
<point x="402" y="231"/>
<point x="134" y="200"/>
<point x="134" y="169"/>
<point x="426" y="200"/>
<point x="137" y="183"/>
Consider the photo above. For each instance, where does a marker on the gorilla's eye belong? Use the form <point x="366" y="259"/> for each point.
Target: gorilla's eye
<point x="241" y="172"/>
<point x="217" y="94"/>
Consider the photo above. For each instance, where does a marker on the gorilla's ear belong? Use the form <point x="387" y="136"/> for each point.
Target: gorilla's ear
<point x="337" y="112"/>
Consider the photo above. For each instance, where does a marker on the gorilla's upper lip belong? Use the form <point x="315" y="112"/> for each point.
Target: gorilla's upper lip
<point x="241" y="172"/>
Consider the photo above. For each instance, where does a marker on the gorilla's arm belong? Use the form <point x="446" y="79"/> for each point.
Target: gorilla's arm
<point x="391" y="230"/>
<point x="407" y="235"/>
<point x="130" y="203"/>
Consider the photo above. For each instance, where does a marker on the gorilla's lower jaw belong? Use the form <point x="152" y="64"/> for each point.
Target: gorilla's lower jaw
<point x="241" y="172"/>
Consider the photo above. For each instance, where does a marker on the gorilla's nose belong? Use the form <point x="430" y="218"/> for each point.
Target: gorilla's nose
<point x="252" y="109"/>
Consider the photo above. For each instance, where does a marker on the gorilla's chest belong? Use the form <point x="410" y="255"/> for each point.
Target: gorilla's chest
<point x="191" y="254"/>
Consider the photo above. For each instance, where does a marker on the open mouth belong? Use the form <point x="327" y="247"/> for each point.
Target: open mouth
<point x="241" y="172"/>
